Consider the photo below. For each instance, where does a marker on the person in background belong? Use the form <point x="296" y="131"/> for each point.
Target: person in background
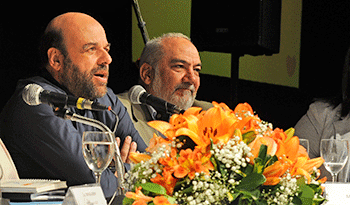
<point x="327" y="119"/>
<point x="169" y="69"/>
<point x="74" y="50"/>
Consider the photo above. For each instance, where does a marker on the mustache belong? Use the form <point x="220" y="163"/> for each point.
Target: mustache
<point x="100" y="68"/>
<point x="186" y="86"/>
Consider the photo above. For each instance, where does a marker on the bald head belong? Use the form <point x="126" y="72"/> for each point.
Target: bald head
<point x="66" y="28"/>
<point x="75" y="52"/>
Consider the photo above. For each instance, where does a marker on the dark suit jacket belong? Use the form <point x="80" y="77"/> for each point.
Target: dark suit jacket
<point x="45" y="146"/>
<point x="140" y="115"/>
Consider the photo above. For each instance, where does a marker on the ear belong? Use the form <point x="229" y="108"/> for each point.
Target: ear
<point x="55" y="59"/>
<point x="146" y="73"/>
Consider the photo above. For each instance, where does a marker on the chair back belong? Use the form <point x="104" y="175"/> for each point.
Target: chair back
<point x="8" y="168"/>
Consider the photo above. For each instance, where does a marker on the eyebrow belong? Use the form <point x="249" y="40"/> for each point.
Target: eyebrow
<point x="87" y="45"/>
<point x="176" y="60"/>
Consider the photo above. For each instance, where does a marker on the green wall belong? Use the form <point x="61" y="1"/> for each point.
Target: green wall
<point x="162" y="16"/>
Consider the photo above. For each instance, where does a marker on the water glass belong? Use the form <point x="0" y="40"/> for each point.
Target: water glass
<point x="98" y="151"/>
<point x="335" y="153"/>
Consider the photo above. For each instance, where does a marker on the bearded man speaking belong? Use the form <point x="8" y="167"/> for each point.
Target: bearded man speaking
<point x="74" y="51"/>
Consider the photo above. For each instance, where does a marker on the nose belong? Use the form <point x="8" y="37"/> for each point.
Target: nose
<point x="105" y="58"/>
<point x="191" y="76"/>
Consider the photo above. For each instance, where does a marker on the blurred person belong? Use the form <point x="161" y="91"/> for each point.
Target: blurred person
<point x="169" y="69"/>
<point x="327" y="118"/>
<point x="74" y="50"/>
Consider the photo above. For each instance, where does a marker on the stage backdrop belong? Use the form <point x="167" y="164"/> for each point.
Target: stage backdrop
<point x="175" y="16"/>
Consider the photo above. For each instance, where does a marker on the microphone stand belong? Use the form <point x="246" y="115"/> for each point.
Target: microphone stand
<point x="141" y="23"/>
<point x="68" y="115"/>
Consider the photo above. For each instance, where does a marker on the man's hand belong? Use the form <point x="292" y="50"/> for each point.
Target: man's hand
<point x="127" y="147"/>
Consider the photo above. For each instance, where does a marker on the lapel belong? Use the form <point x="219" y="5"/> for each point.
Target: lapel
<point x="141" y="116"/>
<point x="341" y="126"/>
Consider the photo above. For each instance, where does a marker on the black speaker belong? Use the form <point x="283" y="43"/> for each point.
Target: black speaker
<point x="242" y="27"/>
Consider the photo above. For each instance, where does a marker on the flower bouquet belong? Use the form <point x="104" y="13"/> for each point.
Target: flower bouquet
<point x="223" y="156"/>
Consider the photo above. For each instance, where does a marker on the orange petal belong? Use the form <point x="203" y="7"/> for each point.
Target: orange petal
<point x="161" y="200"/>
<point x="275" y="170"/>
<point x="193" y="111"/>
<point x="323" y="180"/>
<point x="161" y="126"/>
<point x="138" y="157"/>
<point x="270" y="181"/>
<point x="194" y="136"/>
<point x="292" y="146"/>
<point x="302" y="152"/>
<point x="156" y="142"/>
<point x="138" y="196"/>
<point x="310" y="164"/>
<point x="243" y="107"/>
<point x="303" y="172"/>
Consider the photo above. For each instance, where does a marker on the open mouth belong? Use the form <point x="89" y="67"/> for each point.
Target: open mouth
<point x="101" y="76"/>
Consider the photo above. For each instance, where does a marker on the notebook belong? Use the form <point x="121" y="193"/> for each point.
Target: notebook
<point x="31" y="185"/>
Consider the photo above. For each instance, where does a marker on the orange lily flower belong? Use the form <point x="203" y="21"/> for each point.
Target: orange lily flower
<point x="138" y="196"/>
<point x="256" y="144"/>
<point x="191" y="162"/>
<point x="217" y="124"/>
<point x="167" y="180"/>
<point x="276" y="170"/>
<point x="169" y="161"/>
<point x="278" y="134"/>
<point x="156" y="142"/>
<point x="242" y="109"/>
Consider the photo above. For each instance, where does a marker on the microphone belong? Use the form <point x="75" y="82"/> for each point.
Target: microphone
<point x="138" y="95"/>
<point x="34" y="94"/>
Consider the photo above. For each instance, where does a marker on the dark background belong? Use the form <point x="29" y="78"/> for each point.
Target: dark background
<point x="325" y="37"/>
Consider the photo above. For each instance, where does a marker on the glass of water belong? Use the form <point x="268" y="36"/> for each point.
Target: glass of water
<point x="305" y="144"/>
<point x="98" y="151"/>
<point x="335" y="153"/>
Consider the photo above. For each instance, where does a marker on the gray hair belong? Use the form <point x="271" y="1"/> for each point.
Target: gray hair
<point x="153" y="52"/>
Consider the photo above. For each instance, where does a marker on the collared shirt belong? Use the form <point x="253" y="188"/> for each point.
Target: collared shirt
<point x="45" y="146"/>
<point x="152" y="111"/>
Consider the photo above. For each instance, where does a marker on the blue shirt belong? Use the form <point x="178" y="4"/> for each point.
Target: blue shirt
<point x="45" y="146"/>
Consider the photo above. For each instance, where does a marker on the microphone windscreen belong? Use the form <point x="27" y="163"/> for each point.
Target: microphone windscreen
<point x="31" y="94"/>
<point x="135" y="92"/>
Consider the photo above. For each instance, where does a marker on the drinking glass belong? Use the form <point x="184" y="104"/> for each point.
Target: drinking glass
<point x="335" y="154"/>
<point x="98" y="151"/>
<point x="305" y="144"/>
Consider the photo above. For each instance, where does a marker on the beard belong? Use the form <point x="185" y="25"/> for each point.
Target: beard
<point x="184" y="101"/>
<point x="80" y="84"/>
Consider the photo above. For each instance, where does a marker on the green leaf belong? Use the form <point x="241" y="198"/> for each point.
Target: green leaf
<point x="307" y="194"/>
<point x="262" y="152"/>
<point x="260" y="161"/>
<point x="271" y="161"/>
<point x="248" y="137"/>
<point x="154" y="188"/>
<point x="213" y="161"/>
<point x="171" y="199"/>
<point x="128" y="201"/>
<point x="234" y="195"/>
<point x="251" y="182"/>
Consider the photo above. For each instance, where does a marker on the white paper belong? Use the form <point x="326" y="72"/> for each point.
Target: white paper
<point x="337" y="193"/>
<point x="86" y="194"/>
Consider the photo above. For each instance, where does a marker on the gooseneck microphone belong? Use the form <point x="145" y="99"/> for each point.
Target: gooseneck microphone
<point x="34" y="94"/>
<point x="138" y="95"/>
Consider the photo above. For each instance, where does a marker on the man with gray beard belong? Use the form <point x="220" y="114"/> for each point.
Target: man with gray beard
<point x="169" y="69"/>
